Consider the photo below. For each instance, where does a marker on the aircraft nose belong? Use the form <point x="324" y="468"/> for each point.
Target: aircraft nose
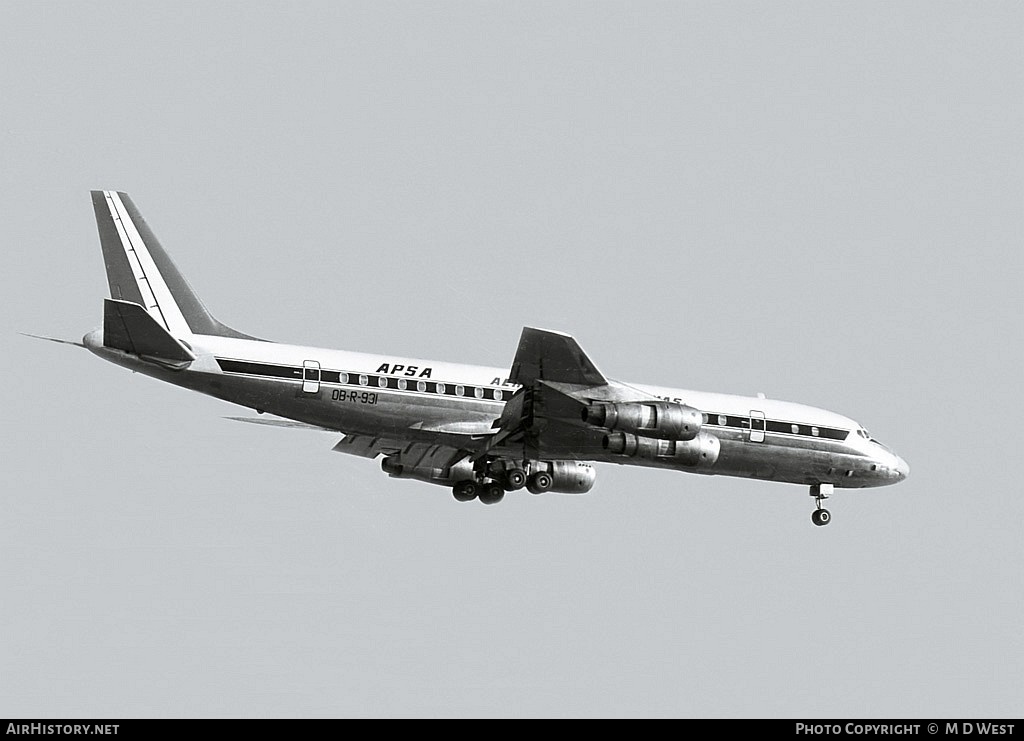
<point x="902" y="468"/>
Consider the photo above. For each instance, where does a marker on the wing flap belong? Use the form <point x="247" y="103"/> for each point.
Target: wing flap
<point x="411" y="454"/>
<point x="367" y="446"/>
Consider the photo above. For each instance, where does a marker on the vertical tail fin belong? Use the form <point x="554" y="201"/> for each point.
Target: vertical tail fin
<point x="140" y="271"/>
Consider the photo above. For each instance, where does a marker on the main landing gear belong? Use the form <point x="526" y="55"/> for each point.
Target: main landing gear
<point x="821" y="516"/>
<point x="489" y="492"/>
<point x="492" y="490"/>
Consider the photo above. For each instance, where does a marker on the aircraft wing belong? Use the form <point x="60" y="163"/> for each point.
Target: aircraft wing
<point x="368" y="446"/>
<point x="278" y="422"/>
<point x="446" y="442"/>
<point x="435" y="447"/>
<point x="411" y="454"/>
<point x="544" y="355"/>
<point x="544" y="417"/>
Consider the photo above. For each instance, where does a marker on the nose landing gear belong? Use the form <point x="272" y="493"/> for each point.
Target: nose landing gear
<point x="821" y="516"/>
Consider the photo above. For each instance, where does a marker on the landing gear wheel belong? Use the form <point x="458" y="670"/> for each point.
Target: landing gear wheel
<point x="465" y="491"/>
<point x="540" y="482"/>
<point x="821" y="492"/>
<point x="491" y="493"/>
<point x="515" y="480"/>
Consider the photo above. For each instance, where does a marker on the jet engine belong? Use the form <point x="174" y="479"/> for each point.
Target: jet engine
<point x="700" y="451"/>
<point x="665" y="420"/>
<point x="571" y="477"/>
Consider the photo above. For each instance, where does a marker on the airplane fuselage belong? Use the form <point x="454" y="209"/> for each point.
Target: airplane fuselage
<point x="384" y="395"/>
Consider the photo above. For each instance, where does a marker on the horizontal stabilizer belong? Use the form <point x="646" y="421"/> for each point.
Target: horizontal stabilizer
<point x="51" y="339"/>
<point x="552" y="356"/>
<point x="129" y="327"/>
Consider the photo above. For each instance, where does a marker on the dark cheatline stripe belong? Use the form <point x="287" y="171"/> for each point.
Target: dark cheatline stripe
<point x="259" y="369"/>
<point x="252" y="368"/>
<point x="833" y="433"/>
<point x="714" y="419"/>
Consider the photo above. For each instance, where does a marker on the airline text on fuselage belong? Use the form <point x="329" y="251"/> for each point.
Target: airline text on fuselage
<point x="405" y="370"/>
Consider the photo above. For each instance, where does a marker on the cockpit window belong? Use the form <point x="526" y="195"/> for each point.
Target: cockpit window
<point x="882" y="446"/>
<point x="864" y="433"/>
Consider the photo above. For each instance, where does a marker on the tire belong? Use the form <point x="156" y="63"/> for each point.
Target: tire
<point x="465" y="491"/>
<point x="491" y="493"/>
<point x="515" y="479"/>
<point x="540" y="483"/>
<point x="821" y="517"/>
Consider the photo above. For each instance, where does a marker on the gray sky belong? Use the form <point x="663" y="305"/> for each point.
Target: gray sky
<point x="818" y="201"/>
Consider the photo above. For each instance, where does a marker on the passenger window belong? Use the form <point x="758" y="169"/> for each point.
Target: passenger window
<point x="795" y="429"/>
<point x="363" y="380"/>
<point x="402" y="384"/>
<point x="478" y="393"/>
<point x="440" y="388"/>
<point x="460" y="390"/>
<point x="382" y="382"/>
<point x="343" y="378"/>
<point x="498" y="395"/>
<point x="421" y="385"/>
<point x="722" y="420"/>
<point x="814" y="431"/>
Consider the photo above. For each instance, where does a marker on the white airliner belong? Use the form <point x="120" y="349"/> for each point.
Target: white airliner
<point x="539" y="424"/>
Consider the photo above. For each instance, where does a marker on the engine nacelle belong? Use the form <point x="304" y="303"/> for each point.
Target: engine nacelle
<point x="441" y="476"/>
<point x="700" y="451"/>
<point x="571" y="477"/>
<point x="665" y="420"/>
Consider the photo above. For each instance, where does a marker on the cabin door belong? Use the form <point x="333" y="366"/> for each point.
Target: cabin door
<point x="756" y="426"/>
<point x="310" y="376"/>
